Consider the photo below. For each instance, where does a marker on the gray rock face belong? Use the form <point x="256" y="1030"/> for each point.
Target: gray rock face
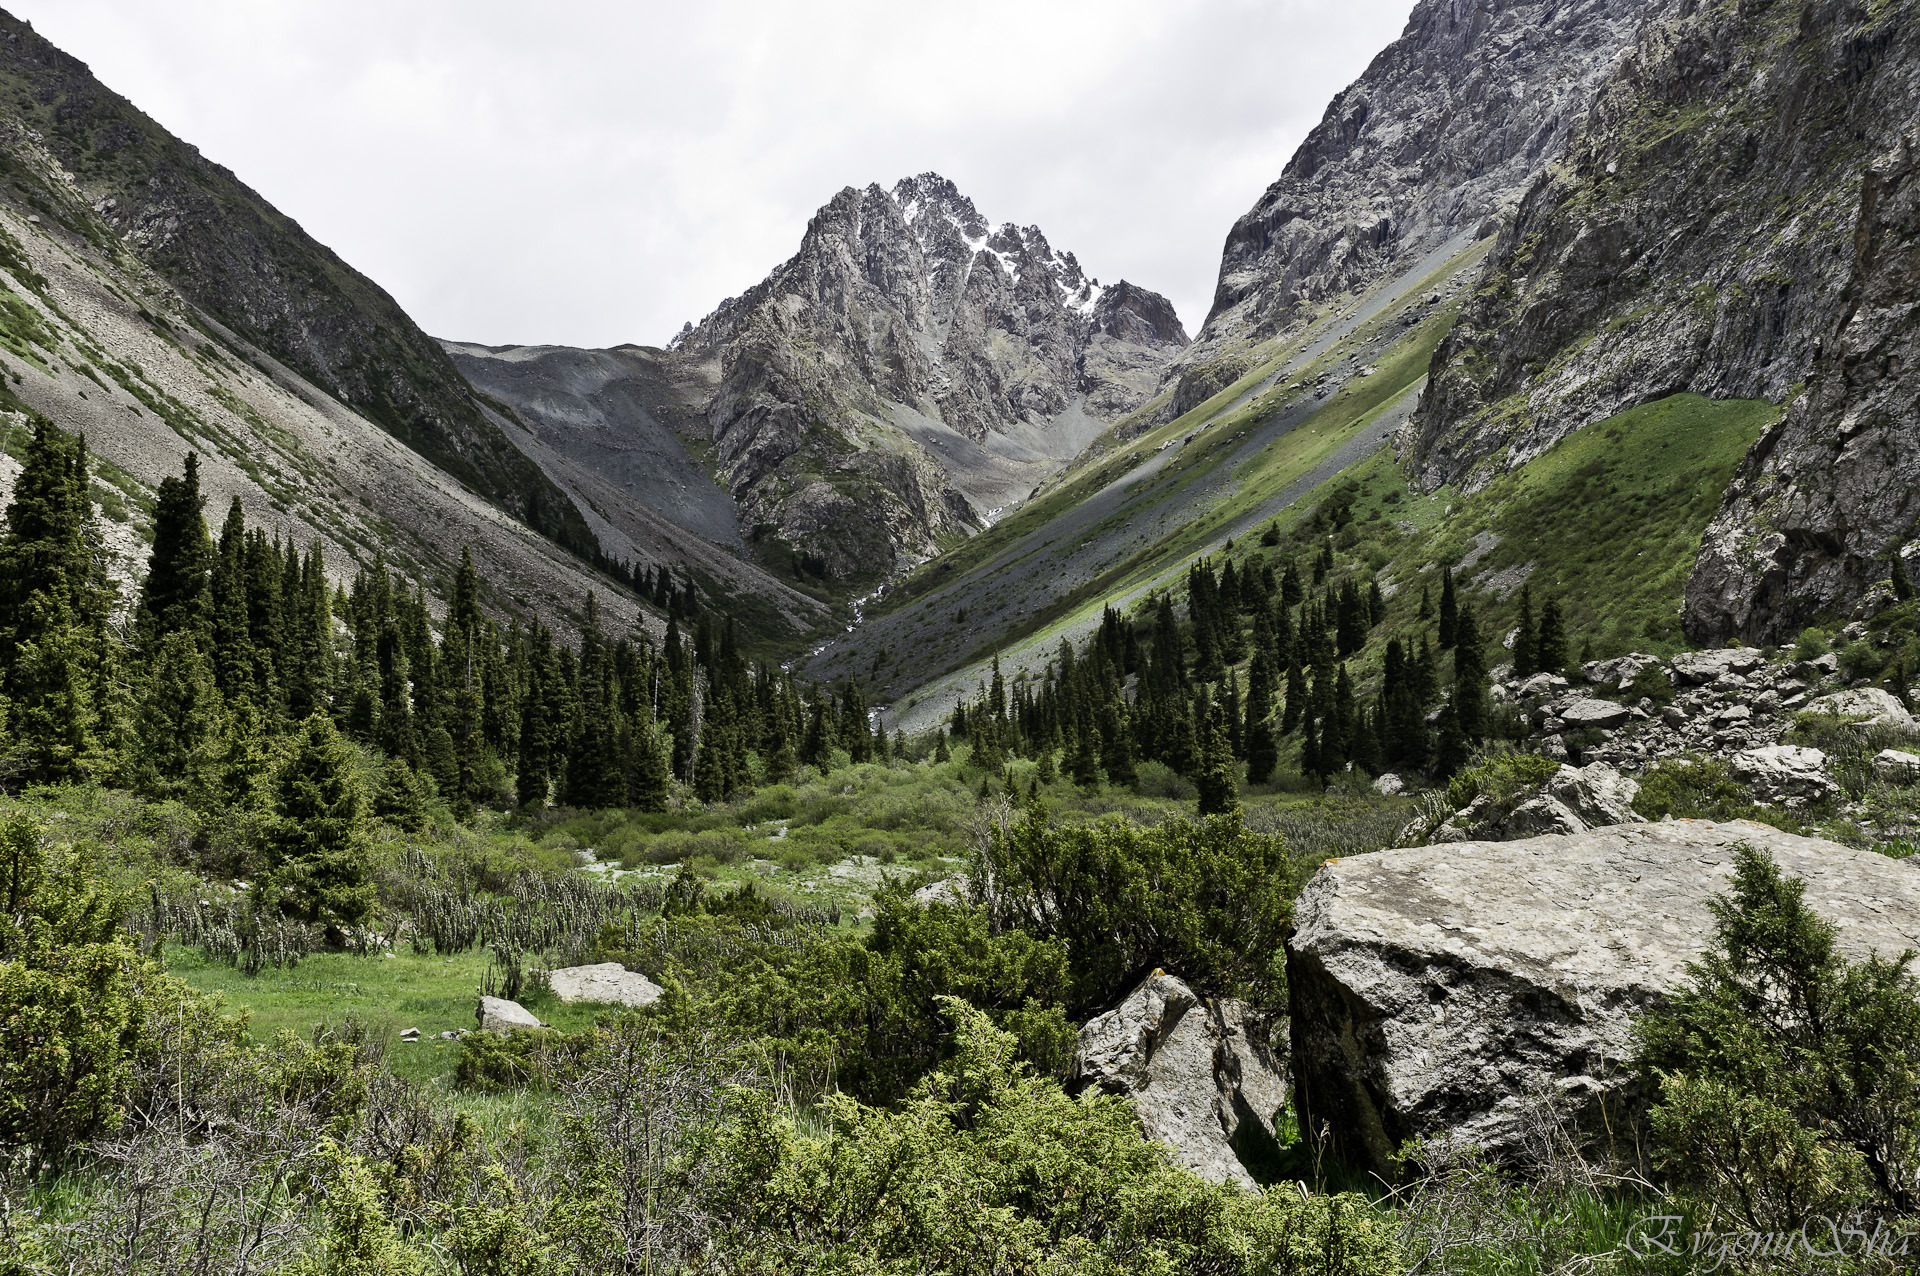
<point x="913" y="369"/>
<point x="1724" y="127"/>
<point x="497" y="1014"/>
<point x="1196" y="1071"/>
<point x="608" y="982"/>
<point x="1433" y="989"/>
<point x="1449" y="124"/>
<point x="1897" y="766"/>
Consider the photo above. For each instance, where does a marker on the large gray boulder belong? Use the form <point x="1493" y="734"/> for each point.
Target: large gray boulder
<point x="1196" y="1070"/>
<point x="608" y="982"/>
<point x="1785" y="774"/>
<point x="1437" y="989"/>
<point x="497" y="1014"/>
<point x="1869" y="706"/>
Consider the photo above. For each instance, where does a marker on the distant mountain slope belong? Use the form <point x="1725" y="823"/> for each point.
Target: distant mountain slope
<point x="235" y="257"/>
<point x="1446" y="127"/>
<point x="911" y="370"/>
<point x="1735" y="218"/>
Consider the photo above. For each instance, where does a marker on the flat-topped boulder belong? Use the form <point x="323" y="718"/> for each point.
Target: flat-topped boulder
<point x="1439" y="988"/>
<point x="608" y="982"/>
<point x="497" y="1014"/>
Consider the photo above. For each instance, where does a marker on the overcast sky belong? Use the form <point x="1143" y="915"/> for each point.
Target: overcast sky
<point x="591" y="173"/>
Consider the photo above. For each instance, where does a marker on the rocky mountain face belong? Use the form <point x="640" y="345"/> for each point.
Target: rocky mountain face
<point x="911" y="370"/>
<point x="1730" y="220"/>
<point x="1446" y="128"/>
<point x="85" y="158"/>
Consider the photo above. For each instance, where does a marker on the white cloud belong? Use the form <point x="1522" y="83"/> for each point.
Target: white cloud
<point x="591" y="173"/>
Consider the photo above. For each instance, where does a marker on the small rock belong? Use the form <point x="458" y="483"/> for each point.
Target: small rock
<point x="1620" y="671"/>
<point x="1542" y="684"/>
<point x="948" y="890"/>
<point x="1542" y="814"/>
<point x="407" y="1034"/>
<point x="497" y="1014"/>
<point x="1733" y="713"/>
<point x="1784" y="773"/>
<point x="1389" y="785"/>
<point x="1896" y="766"/>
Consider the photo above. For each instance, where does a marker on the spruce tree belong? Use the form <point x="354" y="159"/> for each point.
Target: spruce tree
<point x="175" y="596"/>
<point x="320" y="868"/>
<point x="648" y="783"/>
<point x="1296" y="706"/>
<point x="1526" y="638"/>
<point x="1214" y="777"/>
<point x="1470" y="682"/>
<point x="400" y="799"/>
<point x="1453" y="751"/>
<point x="50" y="710"/>
<point x="1291" y="590"/>
<point x="1449" y="609"/>
<point x="1553" y="638"/>
<point x="177" y="730"/>
<point x="231" y="631"/>
<point x="1116" y="744"/>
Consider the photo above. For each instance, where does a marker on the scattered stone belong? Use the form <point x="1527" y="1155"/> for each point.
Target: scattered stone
<point x="1697" y="667"/>
<point x="1542" y="684"/>
<point x="1620" y="671"/>
<point x="1389" y="785"/>
<point x="497" y="1014"/>
<point x="1434" y="989"/>
<point x="1587" y="712"/>
<point x="948" y="890"/>
<point x="608" y="981"/>
<point x="1896" y="766"/>
<point x="1196" y="1071"/>
<point x="1540" y="814"/>
<point x="1873" y="706"/>
<point x="1785" y="774"/>
<point x="409" y="1034"/>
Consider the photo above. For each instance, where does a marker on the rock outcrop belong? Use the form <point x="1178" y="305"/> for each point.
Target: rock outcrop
<point x="912" y="370"/>
<point x="1200" y="1073"/>
<point x="1440" y="989"/>
<point x="1446" y="127"/>
<point x="1617" y="281"/>
<point x="608" y="982"/>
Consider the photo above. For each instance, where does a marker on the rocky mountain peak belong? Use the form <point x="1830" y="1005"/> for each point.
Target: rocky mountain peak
<point x="917" y="353"/>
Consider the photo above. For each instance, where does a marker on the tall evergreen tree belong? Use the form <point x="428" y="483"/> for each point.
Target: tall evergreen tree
<point x="1449" y="609"/>
<point x="177" y="734"/>
<point x="320" y="865"/>
<point x="1553" y="638"/>
<point x="1470" y="682"/>
<point x="1214" y="777"/>
<point x="1526" y="638"/>
<point x="175" y="596"/>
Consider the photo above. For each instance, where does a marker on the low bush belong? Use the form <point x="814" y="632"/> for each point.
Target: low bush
<point x="1500" y="775"/>
<point x="1689" y="788"/>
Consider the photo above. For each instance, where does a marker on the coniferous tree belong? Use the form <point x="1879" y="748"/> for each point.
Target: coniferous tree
<point x="647" y="784"/>
<point x="1526" y="638"/>
<point x="1470" y="683"/>
<point x="1449" y="609"/>
<point x="1083" y="761"/>
<point x="1296" y="706"/>
<point x="1426" y="606"/>
<point x="1214" y="777"/>
<point x="50" y="714"/>
<point x="1553" y="638"/>
<point x="1234" y="721"/>
<point x="1453" y="751"/>
<point x="1376" y="604"/>
<point x="320" y="866"/>
<point x="175" y="595"/>
<point x="231" y="648"/>
<point x="400" y="799"/>
<point x="1310" y="751"/>
<point x="1897" y="578"/>
<point x="177" y="728"/>
<point x="1291" y="590"/>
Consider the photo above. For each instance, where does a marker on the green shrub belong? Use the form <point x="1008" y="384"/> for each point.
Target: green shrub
<point x="1811" y="643"/>
<point x="989" y="1168"/>
<point x="1207" y="900"/>
<point x="1652" y="684"/>
<point x="1500" y="775"/>
<point x="492" y="1062"/>
<point x="1861" y="659"/>
<point x="1689" y="788"/>
<point x="1788" y="1078"/>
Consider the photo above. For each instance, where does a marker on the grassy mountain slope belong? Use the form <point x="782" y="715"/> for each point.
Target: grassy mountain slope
<point x="119" y="180"/>
<point x="1139" y="507"/>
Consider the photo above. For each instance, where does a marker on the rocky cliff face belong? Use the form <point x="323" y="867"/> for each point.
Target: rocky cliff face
<point x="1732" y="204"/>
<point x="1694" y="238"/>
<point x="911" y="369"/>
<point x="236" y="257"/>
<point x="1447" y="127"/>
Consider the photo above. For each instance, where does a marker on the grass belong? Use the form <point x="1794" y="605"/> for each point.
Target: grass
<point x="389" y="993"/>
